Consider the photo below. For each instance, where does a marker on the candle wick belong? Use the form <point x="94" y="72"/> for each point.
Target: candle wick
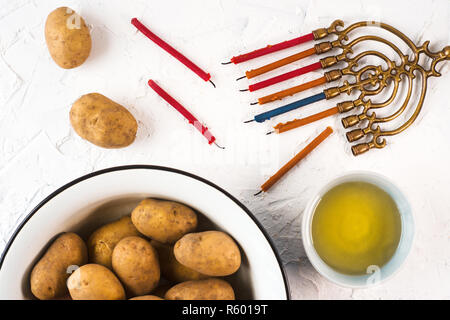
<point x="212" y="83"/>
<point x="224" y="63"/>
<point x="240" y="78"/>
<point x="249" y="121"/>
<point x="253" y="103"/>
<point x="219" y="146"/>
<point x="243" y="90"/>
<point x="258" y="193"/>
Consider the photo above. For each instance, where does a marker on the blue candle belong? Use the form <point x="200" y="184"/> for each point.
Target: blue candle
<point x="289" y="107"/>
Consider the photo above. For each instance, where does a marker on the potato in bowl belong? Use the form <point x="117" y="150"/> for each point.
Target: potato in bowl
<point x="113" y="193"/>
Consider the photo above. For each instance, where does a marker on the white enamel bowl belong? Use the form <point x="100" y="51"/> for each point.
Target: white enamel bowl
<point x="103" y="196"/>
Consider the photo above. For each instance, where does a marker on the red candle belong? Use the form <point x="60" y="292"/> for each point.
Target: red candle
<point x="284" y="76"/>
<point x="171" y="50"/>
<point x="189" y="116"/>
<point x="272" y="48"/>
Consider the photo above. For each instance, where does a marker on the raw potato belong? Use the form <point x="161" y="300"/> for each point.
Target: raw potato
<point x="103" y="122"/>
<point x="149" y="297"/>
<point x="68" y="39"/>
<point x="49" y="275"/>
<point x="103" y="240"/>
<point x="163" y="221"/>
<point x="213" y="253"/>
<point x="135" y="262"/>
<point x="210" y="289"/>
<point x="95" y="282"/>
<point x="171" y="269"/>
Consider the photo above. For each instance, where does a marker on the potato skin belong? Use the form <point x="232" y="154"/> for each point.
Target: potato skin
<point x="171" y="269"/>
<point x="163" y="221"/>
<point x="213" y="253"/>
<point x="69" y="46"/>
<point x="95" y="282"/>
<point x="49" y="275"/>
<point x="148" y="297"/>
<point x="209" y="289"/>
<point x="103" y="122"/>
<point x="102" y="241"/>
<point x="135" y="262"/>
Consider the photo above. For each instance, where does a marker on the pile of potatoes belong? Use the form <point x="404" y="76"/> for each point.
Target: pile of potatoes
<point x="134" y="256"/>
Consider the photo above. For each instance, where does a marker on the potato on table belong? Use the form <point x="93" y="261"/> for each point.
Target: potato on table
<point x="68" y="38"/>
<point x="135" y="262"/>
<point x="163" y="221"/>
<point x="103" y="240"/>
<point x="171" y="269"/>
<point x="49" y="275"/>
<point x="95" y="282"/>
<point x="103" y="122"/>
<point x="213" y="253"/>
<point x="209" y="289"/>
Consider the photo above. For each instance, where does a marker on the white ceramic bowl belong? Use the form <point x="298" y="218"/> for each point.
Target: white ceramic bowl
<point x="103" y="196"/>
<point x="374" y="274"/>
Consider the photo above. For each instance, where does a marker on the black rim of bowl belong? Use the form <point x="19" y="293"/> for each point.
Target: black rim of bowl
<point x="151" y="167"/>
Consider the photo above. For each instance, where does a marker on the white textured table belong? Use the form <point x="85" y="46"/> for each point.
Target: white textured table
<point x="39" y="151"/>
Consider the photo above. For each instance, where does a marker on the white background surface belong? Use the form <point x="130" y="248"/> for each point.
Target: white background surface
<point x="39" y="151"/>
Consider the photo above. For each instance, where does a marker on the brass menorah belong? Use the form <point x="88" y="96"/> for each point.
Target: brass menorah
<point x="369" y="80"/>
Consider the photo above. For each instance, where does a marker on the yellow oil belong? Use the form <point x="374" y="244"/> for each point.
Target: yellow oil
<point x="356" y="225"/>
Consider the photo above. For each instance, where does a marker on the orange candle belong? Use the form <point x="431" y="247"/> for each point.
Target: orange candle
<point x="299" y="156"/>
<point x="274" y="65"/>
<point x="291" y="91"/>
<point x="283" y="127"/>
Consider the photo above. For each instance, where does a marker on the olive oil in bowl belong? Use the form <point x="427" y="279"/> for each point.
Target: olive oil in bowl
<point x="356" y="225"/>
